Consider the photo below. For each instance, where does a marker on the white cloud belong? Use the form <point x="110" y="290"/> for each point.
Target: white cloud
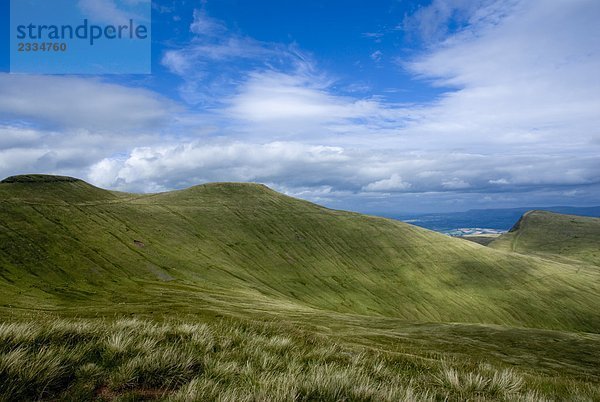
<point x="522" y="78"/>
<point x="69" y="102"/>
<point x="111" y="11"/>
<point x="394" y="183"/>
<point x="276" y="97"/>
<point x="209" y="63"/>
<point x="177" y="62"/>
<point x="455" y="184"/>
<point x="68" y="151"/>
<point x="204" y="25"/>
<point x="13" y="138"/>
<point x="295" y="166"/>
<point x="376" y="56"/>
<point x="432" y="23"/>
<point x="373" y="35"/>
<point x="146" y="168"/>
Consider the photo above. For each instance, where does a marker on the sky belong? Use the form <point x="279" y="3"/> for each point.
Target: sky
<point x="383" y="107"/>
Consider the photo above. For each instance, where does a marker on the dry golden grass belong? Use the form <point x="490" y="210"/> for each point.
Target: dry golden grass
<point x="237" y="361"/>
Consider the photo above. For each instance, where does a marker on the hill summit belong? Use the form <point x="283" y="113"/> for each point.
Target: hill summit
<point x="549" y="234"/>
<point x="40" y="178"/>
<point x="52" y="189"/>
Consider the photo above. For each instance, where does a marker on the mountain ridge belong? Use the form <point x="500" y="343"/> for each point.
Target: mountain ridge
<point x="549" y="234"/>
<point x="246" y="245"/>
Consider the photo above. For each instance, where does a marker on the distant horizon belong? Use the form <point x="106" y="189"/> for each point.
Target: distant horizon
<point x="528" y="207"/>
<point x="384" y="108"/>
<point x="402" y="215"/>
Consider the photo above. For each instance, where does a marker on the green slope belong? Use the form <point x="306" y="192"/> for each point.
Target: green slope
<point x="67" y="246"/>
<point x="554" y="235"/>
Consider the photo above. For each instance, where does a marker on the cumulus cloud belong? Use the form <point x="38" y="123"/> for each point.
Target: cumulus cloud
<point x="297" y="167"/>
<point x="26" y="149"/>
<point x="148" y="168"/>
<point x="394" y="183"/>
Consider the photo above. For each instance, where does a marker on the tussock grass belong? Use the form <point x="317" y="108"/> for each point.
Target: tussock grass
<point x="503" y="385"/>
<point x="231" y="360"/>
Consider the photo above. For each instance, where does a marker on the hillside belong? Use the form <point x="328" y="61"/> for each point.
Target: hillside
<point x="554" y="235"/>
<point x="69" y="247"/>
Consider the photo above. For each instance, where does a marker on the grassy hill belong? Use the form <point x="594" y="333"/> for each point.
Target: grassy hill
<point x="65" y="243"/>
<point x="243" y="293"/>
<point x="554" y="235"/>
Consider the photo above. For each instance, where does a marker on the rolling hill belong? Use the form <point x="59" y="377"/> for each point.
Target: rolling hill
<point x="231" y="291"/>
<point x="67" y="246"/>
<point x="553" y="235"/>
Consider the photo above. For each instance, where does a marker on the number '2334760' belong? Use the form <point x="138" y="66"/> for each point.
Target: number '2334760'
<point x="42" y="47"/>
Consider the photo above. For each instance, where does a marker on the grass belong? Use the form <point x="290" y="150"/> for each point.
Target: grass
<point x="552" y="235"/>
<point x="245" y="246"/>
<point x="483" y="239"/>
<point x="232" y="360"/>
<point x="242" y="293"/>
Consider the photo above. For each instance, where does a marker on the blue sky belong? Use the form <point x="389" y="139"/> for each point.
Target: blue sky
<point x="384" y="107"/>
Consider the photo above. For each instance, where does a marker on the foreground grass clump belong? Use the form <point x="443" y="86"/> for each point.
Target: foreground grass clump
<point x="234" y="361"/>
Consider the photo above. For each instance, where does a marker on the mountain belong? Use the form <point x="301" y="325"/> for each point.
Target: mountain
<point x="550" y="235"/>
<point x="67" y="246"/>
<point x="499" y="219"/>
